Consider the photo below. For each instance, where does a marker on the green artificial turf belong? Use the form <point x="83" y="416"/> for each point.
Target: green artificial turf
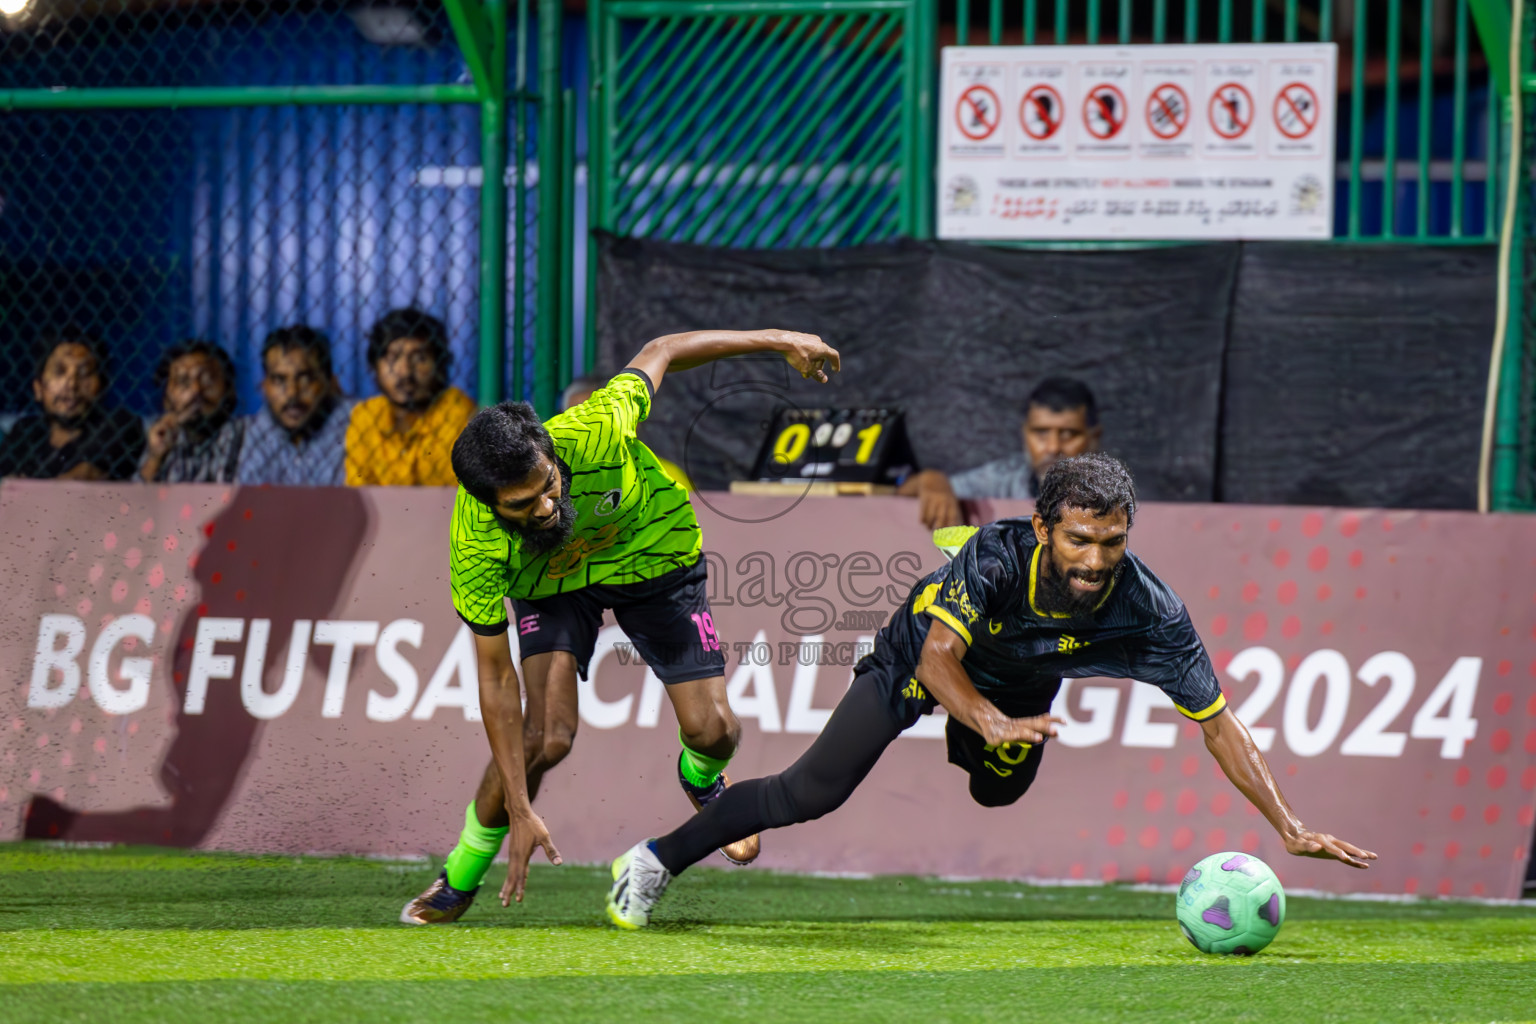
<point x="151" y="935"/>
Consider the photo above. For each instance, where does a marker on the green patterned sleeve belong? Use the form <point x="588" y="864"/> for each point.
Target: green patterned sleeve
<point x="480" y="553"/>
<point x="601" y="426"/>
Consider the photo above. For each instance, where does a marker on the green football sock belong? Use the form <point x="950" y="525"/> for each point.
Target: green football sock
<point x="700" y="770"/>
<point x="478" y="846"/>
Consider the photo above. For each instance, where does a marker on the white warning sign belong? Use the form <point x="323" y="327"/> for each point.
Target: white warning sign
<point x="1138" y="142"/>
<point x="1042" y="110"/>
<point x="975" y="112"/>
<point x="1303" y="94"/>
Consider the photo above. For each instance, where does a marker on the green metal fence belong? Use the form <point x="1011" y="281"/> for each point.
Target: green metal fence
<point x="760" y="123"/>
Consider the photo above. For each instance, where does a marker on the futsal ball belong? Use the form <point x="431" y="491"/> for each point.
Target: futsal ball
<point x="1231" y="903"/>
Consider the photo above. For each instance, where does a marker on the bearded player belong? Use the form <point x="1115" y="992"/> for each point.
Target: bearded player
<point x="568" y="519"/>
<point x="1023" y="603"/>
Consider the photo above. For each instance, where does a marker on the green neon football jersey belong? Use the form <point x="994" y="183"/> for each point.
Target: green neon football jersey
<point x="633" y="522"/>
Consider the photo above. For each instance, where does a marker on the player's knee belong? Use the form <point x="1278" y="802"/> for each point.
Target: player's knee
<point x="557" y="744"/>
<point x="715" y="732"/>
<point x="988" y="796"/>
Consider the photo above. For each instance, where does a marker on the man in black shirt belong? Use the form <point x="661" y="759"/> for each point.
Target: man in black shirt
<point x="1023" y="603"/>
<point x="74" y="438"/>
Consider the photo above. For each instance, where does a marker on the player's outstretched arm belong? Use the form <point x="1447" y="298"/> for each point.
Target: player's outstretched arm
<point x="807" y="353"/>
<point x="939" y="670"/>
<point x="1229" y="742"/>
<point x="501" y="707"/>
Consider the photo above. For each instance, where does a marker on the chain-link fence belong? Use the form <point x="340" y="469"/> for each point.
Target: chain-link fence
<point x="272" y="179"/>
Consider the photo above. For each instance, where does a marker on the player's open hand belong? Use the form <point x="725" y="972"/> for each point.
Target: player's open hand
<point x="527" y="832"/>
<point x="1003" y="729"/>
<point x="808" y="354"/>
<point x="1307" y="843"/>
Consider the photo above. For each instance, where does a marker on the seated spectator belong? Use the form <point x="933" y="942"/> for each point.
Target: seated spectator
<point x="580" y="389"/>
<point x="299" y="436"/>
<point x="1061" y="419"/>
<point x="73" y="438"/>
<point x="403" y="437"/>
<point x="197" y="439"/>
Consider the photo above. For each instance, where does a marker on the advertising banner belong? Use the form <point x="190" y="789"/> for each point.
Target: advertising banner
<point x="280" y="670"/>
<point x="1144" y="142"/>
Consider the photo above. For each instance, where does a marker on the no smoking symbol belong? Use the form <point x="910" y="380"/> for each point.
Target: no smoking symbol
<point x="1231" y="110"/>
<point x="1104" y="111"/>
<point x="977" y="113"/>
<point x="1296" y="110"/>
<point x="1167" y="111"/>
<point x="1040" y="113"/>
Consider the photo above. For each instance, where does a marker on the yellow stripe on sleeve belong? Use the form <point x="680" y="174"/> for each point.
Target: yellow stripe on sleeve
<point x="949" y="620"/>
<point x="1215" y="708"/>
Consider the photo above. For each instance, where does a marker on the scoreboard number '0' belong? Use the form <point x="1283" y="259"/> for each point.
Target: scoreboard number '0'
<point x="792" y="440"/>
<point x="868" y="445"/>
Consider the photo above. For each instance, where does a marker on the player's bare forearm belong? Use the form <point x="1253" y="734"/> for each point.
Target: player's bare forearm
<point x="1233" y="748"/>
<point x="673" y="352"/>
<point x="501" y="708"/>
<point x="939" y="669"/>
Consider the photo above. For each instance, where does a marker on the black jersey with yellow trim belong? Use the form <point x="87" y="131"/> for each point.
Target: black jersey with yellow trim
<point x="1018" y="653"/>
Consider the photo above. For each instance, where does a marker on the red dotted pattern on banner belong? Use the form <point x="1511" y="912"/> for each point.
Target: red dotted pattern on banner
<point x="1283" y="599"/>
<point x="119" y="570"/>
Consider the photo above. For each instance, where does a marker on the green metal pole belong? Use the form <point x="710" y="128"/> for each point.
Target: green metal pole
<point x="568" y="238"/>
<point x="600" y="50"/>
<point x="228" y="96"/>
<point x="1357" y="122"/>
<point x="547" y="313"/>
<point x="1389" y="156"/>
<point x="493" y="212"/>
<point x="922" y="32"/>
<point x="1426" y="108"/>
<point x="1459" y="126"/>
<point x="1506" y="470"/>
<point x="1504" y="490"/>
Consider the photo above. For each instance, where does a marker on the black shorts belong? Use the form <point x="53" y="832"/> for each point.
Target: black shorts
<point x="999" y="774"/>
<point x="666" y="618"/>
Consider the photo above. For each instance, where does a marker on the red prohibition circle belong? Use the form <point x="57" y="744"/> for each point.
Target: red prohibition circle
<point x="1044" y="102"/>
<point x="1298" y="105"/>
<point x="1109" y="103"/>
<point x="968" y="99"/>
<point x="1167" y="107"/>
<point x="1238" y="127"/>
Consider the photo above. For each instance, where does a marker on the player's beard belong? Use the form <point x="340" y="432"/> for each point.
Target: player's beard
<point x="537" y="541"/>
<point x="1057" y="594"/>
<point x="200" y="426"/>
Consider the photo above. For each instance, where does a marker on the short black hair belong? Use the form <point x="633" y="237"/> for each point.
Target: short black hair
<point x="47" y="343"/>
<point x="1061" y="394"/>
<point x="498" y="447"/>
<point x="410" y="323"/>
<point x="1093" y="481"/>
<point x="194" y="347"/>
<point x="302" y="337"/>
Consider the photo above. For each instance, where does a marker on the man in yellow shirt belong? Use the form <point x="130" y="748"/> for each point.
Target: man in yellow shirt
<point x="403" y="437"/>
